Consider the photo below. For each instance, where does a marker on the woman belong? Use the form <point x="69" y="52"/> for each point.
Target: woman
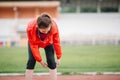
<point x="43" y="33"/>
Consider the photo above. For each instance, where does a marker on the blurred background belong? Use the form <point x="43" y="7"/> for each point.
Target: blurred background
<point x="80" y="21"/>
<point x="89" y="31"/>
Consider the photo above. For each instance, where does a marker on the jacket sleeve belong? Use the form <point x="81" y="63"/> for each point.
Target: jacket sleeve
<point x="56" y="43"/>
<point x="34" y="46"/>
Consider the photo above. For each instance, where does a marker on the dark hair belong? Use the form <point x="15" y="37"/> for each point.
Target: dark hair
<point x="43" y="21"/>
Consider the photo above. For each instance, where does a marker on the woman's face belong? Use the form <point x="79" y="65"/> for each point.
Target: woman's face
<point x="44" y="30"/>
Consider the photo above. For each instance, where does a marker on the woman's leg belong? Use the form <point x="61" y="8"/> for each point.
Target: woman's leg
<point x="49" y="50"/>
<point x="30" y="65"/>
<point x="53" y="74"/>
<point x="28" y="74"/>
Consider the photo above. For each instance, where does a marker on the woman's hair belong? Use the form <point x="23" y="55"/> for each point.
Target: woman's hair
<point x="43" y="21"/>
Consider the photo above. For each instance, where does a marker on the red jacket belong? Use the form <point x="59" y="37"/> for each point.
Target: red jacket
<point x="35" y="42"/>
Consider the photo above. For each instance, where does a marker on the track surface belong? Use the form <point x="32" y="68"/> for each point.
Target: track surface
<point x="66" y="77"/>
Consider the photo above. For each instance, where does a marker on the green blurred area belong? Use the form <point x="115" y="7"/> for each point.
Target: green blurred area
<point x="75" y="59"/>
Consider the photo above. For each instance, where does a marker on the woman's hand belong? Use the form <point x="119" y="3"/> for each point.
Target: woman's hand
<point x="58" y="63"/>
<point x="43" y="64"/>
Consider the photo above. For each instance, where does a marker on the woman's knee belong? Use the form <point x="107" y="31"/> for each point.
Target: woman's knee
<point x="31" y="64"/>
<point x="49" y="50"/>
<point x="51" y="63"/>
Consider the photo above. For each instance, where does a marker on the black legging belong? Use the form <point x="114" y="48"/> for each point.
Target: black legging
<point x="49" y="51"/>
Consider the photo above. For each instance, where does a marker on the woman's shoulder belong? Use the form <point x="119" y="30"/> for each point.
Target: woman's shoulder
<point x="54" y="24"/>
<point x="54" y="27"/>
<point x="31" y="24"/>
